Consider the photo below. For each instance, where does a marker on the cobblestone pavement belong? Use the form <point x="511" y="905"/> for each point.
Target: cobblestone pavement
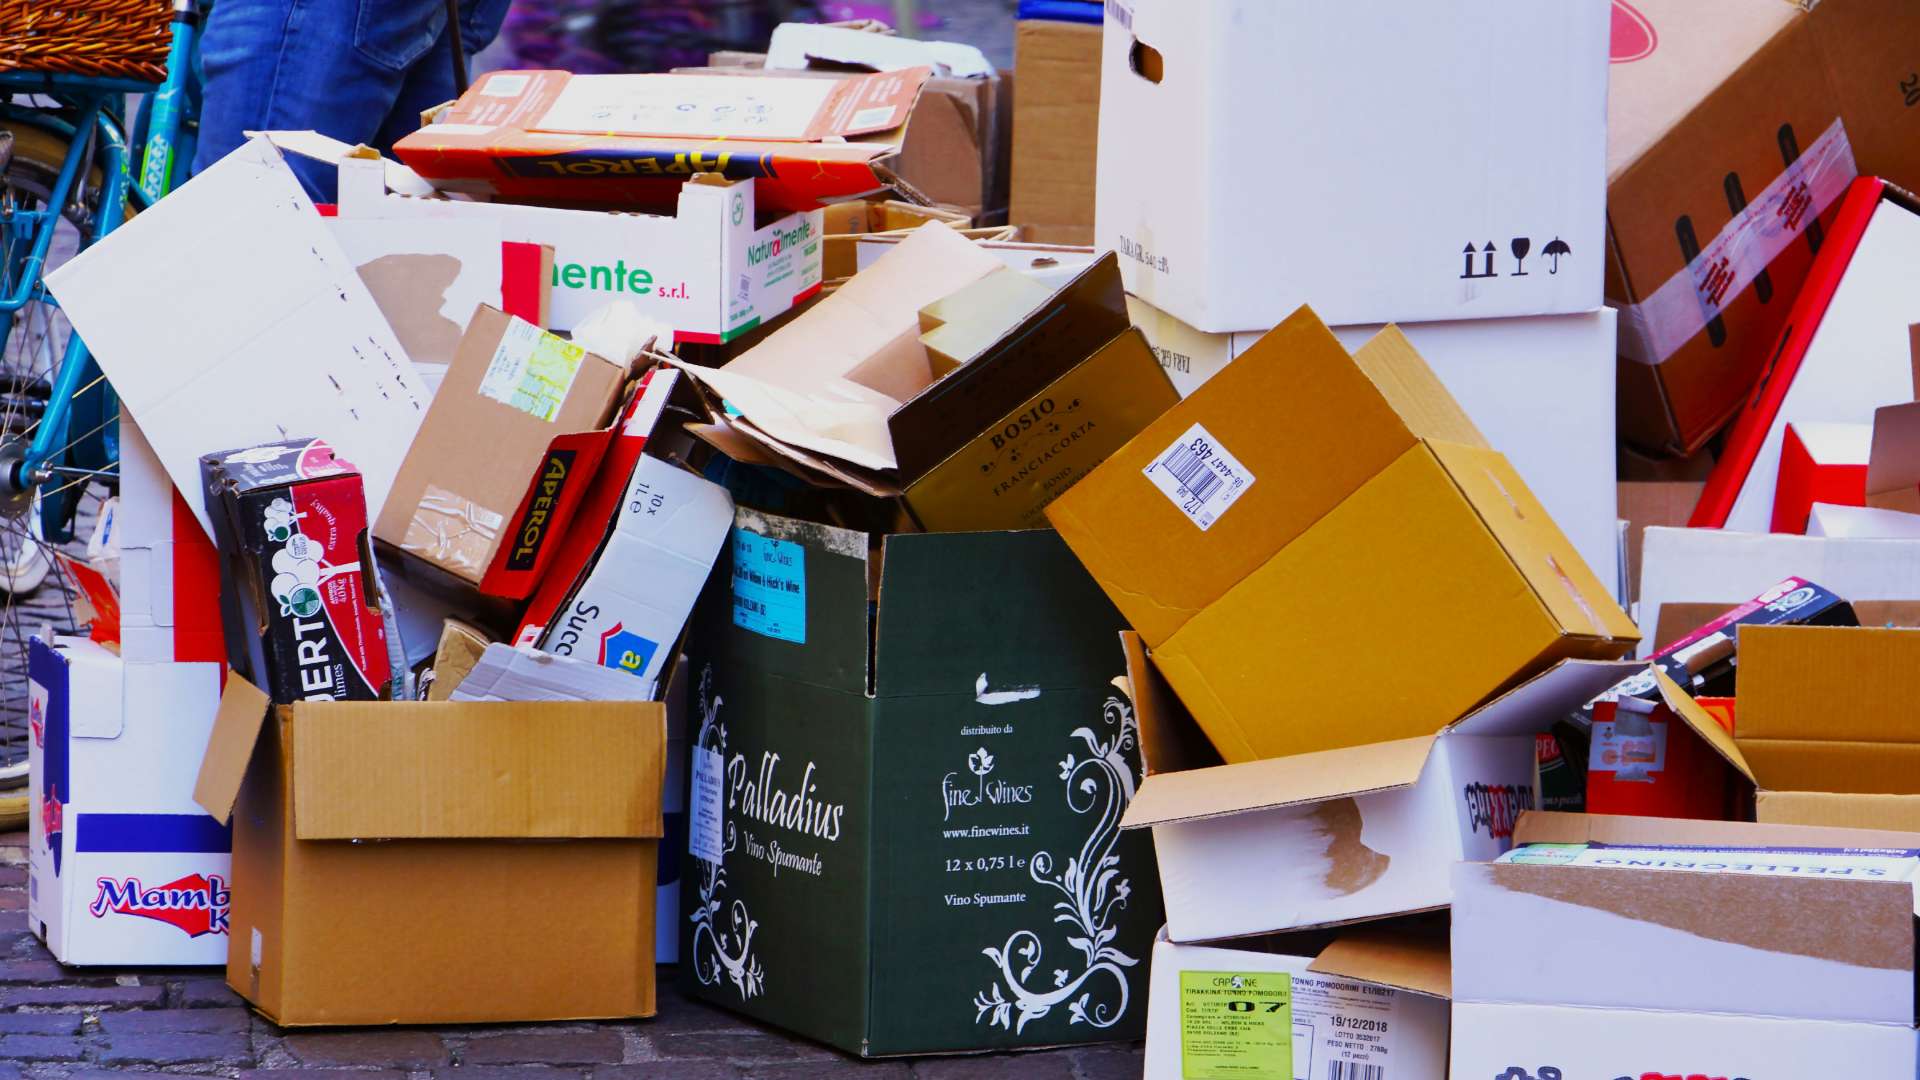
<point x="74" y="1024"/>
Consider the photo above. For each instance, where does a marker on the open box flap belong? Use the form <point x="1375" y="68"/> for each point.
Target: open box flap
<point x="1893" y="462"/>
<point x="1840" y="811"/>
<point x="1409" y="385"/>
<point x="1534" y="705"/>
<point x="796" y="386"/>
<point x="1271" y="783"/>
<point x="326" y="149"/>
<point x="1702" y="723"/>
<point x="1170" y="741"/>
<point x="1410" y="959"/>
<point x="236" y="729"/>
<point x="393" y="770"/>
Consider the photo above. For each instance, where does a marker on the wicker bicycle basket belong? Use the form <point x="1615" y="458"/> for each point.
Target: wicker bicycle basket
<point x="123" y="38"/>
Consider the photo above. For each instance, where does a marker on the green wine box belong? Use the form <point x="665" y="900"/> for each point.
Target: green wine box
<point x="910" y="758"/>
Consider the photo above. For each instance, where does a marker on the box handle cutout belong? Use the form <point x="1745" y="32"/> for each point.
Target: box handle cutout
<point x="1145" y="61"/>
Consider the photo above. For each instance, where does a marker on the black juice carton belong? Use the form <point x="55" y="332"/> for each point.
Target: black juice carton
<point x="297" y="587"/>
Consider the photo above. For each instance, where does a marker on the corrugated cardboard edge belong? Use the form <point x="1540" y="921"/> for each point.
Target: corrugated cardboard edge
<point x="1838" y="811"/>
<point x="1170" y="741"/>
<point x="1702" y="723"/>
<point x="1407" y="382"/>
<point x="1274" y="783"/>
<point x="236" y="729"/>
<point x="1416" y="962"/>
<point x="1551" y="827"/>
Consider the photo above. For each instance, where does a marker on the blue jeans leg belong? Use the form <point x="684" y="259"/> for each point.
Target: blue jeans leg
<point x="340" y="67"/>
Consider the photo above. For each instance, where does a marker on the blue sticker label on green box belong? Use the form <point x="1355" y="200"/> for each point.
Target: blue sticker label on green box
<point x="770" y="586"/>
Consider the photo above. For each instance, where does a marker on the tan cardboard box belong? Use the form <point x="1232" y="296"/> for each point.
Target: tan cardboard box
<point x="1823" y="721"/>
<point x="1733" y="125"/>
<point x="1260" y="543"/>
<point x="847" y="394"/>
<point x="512" y="877"/>
<point x="510" y="391"/>
<point x="1056" y="127"/>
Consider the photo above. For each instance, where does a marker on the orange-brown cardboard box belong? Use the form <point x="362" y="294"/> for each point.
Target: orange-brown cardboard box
<point x="1056" y="128"/>
<point x="1733" y="126"/>
<point x="1300" y="540"/>
<point x="500" y="423"/>
<point x="1825" y="725"/>
<point x="511" y="877"/>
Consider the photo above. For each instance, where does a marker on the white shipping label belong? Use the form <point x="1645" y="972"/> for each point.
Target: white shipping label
<point x="705" y="811"/>
<point x="532" y="370"/>
<point x="1200" y="476"/>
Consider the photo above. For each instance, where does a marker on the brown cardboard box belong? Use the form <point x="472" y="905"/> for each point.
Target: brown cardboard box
<point x="510" y="391"/>
<point x="847" y="395"/>
<point x="1323" y="552"/>
<point x="511" y="877"/>
<point x="1056" y="124"/>
<point x="1705" y="113"/>
<point x="1824" y="720"/>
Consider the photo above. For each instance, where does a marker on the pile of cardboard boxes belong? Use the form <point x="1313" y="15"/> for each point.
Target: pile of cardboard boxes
<point x="723" y="512"/>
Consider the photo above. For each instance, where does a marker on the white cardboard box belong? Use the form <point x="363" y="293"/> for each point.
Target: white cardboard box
<point x="1341" y="1028"/>
<point x="1380" y="161"/>
<point x="123" y="867"/>
<point x="1715" y="565"/>
<point x="629" y="611"/>
<point x="1634" y="963"/>
<point x="1862" y="522"/>
<point x="1344" y="835"/>
<point x="228" y="316"/>
<point x="708" y="269"/>
<point x="169" y="572"/>
<point x="1540" y="389"/>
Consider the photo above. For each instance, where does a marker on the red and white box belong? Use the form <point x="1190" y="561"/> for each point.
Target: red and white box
<point x="123" y="867"/>
<point x="1820" y="462"/>
<point x="1845" y="352"/>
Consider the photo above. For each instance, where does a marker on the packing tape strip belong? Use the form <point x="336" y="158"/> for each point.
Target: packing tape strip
<point x="1655" y="328"/>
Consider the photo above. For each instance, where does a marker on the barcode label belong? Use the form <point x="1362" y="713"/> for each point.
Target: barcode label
<point x="1199" y="476"/>
<point x="880" y="116"/>
<point x="1355" y="1070"/>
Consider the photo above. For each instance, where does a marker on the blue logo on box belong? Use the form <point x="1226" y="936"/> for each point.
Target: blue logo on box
<point x="624" y="650"/>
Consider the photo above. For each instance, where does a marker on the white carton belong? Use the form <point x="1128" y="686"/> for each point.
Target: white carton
<point x="169" y="572"/>
<point x="1387" y="161"/>
<point x="1712" y="565"/>
<point x="278" y="337"/>
<point x="628" y="613"/>
<point x="123" y="867"/>
<point x="1540" y="389"/>
<point x="1357" y="833"/>
<point x="709" y="269"/>
<point x="1341" y="1028"/>
<point x="1625" y="962"/>
<point x="1862" y="522"/>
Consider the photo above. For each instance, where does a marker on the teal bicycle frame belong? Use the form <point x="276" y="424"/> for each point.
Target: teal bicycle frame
<point x="89" y="116"/>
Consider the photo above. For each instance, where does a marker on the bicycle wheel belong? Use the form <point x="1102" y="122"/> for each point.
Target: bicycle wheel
<point x="35" y="597"/>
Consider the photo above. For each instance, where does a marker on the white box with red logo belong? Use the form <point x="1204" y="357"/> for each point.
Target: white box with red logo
<point x="1716" y="963"/>
<point x="123" y="867"/>
<point x="1357" y="833"/>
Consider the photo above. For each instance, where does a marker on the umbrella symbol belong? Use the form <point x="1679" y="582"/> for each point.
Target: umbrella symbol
<point x="1554" y="249"/>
